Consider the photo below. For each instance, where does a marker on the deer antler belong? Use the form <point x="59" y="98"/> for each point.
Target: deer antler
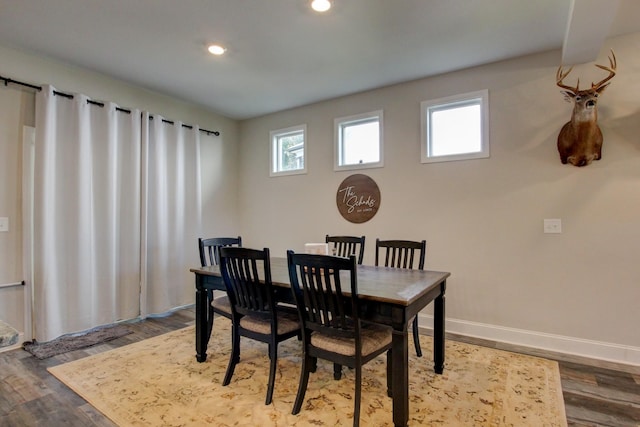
<point x="611" y="69"/>
<point x="560" y="75"/>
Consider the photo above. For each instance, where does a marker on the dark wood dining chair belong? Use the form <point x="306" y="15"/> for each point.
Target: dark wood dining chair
<point x="210" y="248"/>
<point x="403" y="254"/>
<point x="254" y="311"/>
<point x="210" y="255"/>
<point x="330" y="321"/>
<point x="343" y="246"/>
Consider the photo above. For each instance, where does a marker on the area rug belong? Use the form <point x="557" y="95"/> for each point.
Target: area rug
<point x="77" y="341"/>
<point x="158" y="382"/>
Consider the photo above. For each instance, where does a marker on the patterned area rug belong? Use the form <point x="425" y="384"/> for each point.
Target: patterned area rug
<point x="72" y="342"/>
<point x="158" y="382"/>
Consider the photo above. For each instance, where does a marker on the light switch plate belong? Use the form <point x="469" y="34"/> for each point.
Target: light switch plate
<point x="553" y="226"/>
<point x="4" y="224"/>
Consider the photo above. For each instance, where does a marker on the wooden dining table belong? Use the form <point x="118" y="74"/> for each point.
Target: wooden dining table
<point x="389" y="296"/>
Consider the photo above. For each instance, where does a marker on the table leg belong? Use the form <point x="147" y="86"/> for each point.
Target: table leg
<point x="439" y="331"/>
<point x="400" y="381"/>
<point x="202" y="325"/>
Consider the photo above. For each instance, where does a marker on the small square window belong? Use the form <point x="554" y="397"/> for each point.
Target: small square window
<point x="288" y="151"/>
<point x="358" y="141"/>
<point x="455" y="128"/>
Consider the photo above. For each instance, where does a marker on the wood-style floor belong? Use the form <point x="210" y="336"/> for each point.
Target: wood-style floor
<point x="596" y="393"/>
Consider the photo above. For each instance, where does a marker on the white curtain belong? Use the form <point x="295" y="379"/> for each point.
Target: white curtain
<point x="171" y="213"/>
<point x="116" y="214"/>
<point x="86" y="214"/>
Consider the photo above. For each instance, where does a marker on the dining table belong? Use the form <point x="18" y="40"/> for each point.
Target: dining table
<point x="388" y="296"/>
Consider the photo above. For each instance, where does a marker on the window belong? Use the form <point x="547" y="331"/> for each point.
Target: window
<point x="288" y="151"/>
<point x="358" y="141"/>
<point x="455" y="128"/>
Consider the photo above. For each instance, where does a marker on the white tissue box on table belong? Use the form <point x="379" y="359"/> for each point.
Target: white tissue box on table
<point x="316" y="248"/>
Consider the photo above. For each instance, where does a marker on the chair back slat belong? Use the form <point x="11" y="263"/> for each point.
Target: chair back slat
<point x="247" y="276"/>
<point x="399" y="257"/>
<point x="210" y="248"/>
<point x="401" y="253"/>
<point x="344" y="246"/>
<point x="318" y="290"/>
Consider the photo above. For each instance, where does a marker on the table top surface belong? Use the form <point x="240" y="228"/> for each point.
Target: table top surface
<point x="394" y="285"/>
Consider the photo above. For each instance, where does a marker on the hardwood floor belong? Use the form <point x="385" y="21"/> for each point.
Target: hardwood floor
<point x="596" y="393"/>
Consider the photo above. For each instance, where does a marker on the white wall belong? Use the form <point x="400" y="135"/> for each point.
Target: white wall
<point x="576" y="292"/>
<point x="220" y="155"/>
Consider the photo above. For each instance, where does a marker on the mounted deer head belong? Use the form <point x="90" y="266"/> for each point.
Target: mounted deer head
<point x="580" y="140"/>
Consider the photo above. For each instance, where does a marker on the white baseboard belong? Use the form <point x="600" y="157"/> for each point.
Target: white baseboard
<point x="557" y="343"/>
<point x="16" y="345"/>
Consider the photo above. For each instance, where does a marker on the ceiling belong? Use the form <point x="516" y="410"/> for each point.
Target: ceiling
<point x="281" y="54"/>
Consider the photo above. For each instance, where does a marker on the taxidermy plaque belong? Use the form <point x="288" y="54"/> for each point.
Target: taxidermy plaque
<point x="358" y="198"/>
<point x="580" y="139"/>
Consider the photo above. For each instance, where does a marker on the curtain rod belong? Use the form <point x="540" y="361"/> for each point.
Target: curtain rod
<point x="8" y="285"/>
<point x="8" y="80"/>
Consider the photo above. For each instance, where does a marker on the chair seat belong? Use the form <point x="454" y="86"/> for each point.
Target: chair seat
<point x="373" y="338"/>
<point x="222" y="304"/>
<point x="287" y="322"/>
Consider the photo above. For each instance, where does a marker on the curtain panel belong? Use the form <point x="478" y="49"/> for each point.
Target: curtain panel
<point x="116" y="214"/>
<point x="171" y="213"/>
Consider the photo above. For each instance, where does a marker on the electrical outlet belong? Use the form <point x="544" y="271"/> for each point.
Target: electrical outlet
<point x="4" y="224"/>
<point x="553" y="226"/>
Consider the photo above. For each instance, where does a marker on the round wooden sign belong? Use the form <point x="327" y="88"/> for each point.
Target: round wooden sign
<point x="358" y="198"/>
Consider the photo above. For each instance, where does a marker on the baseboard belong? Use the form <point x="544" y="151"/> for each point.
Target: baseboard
<point x="16" y="345"/>
<point x="549" y="342"/>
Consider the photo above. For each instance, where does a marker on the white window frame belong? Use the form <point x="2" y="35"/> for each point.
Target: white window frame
<point x="339" y="124"/>
<point x="275" y="153"/>
<point x="480" y="98"/>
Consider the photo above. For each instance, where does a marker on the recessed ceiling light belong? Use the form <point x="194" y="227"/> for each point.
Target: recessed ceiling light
<point x="216" y="49"/>
<point x="321" y="5"/>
